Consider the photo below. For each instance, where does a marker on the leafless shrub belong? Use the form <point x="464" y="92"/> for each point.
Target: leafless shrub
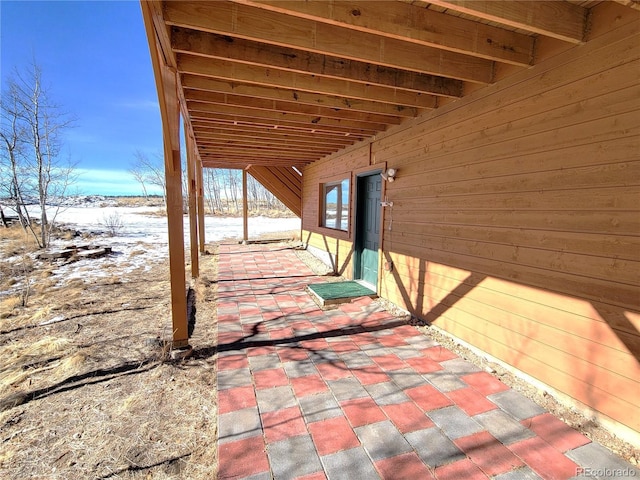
<point x="113" y="223"/>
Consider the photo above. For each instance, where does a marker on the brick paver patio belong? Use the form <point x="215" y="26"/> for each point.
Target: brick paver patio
<point x="354" y="393"/>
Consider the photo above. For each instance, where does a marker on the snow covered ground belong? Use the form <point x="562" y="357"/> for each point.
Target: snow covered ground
<point x="142" y="240"/>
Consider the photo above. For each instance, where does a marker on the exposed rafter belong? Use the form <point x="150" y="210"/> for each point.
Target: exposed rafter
<point x="413" y="24"/>
<point x="286" y="82"/>
<point x="257" y="75"/>
<point x="273" y="28"/>
<point x="561" y="20"/>
<point x="253" y="53"/>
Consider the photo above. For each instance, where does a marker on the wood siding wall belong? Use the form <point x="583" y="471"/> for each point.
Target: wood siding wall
<point x="516" y="224"/>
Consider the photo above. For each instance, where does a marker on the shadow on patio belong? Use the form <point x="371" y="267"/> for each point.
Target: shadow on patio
<point x="355" y="392"/>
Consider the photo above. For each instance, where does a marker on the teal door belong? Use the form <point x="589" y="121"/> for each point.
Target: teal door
<point x="367" y="235"/>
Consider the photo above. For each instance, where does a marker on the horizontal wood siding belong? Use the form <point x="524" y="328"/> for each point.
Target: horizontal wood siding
<point x="516" y="220"/>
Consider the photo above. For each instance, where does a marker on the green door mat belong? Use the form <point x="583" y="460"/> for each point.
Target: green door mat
<point x="339" y="292"/>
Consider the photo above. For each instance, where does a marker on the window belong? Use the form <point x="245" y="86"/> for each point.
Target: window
<point x="335" y="208"/>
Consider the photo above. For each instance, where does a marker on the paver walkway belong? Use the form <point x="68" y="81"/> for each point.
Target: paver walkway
<point x="354" y="393"/>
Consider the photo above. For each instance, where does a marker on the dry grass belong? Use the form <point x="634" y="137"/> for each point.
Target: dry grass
<point x="93" y="395"/>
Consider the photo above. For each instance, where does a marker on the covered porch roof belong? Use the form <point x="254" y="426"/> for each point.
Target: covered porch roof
<point x="272" y="86"/>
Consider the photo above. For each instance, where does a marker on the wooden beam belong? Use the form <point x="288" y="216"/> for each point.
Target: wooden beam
<point x="260" y="152"/>
<point x="630" y="3"/>
<point x="271" y="120"/>
<point x="210" y="45"/>
<point x="269" y="141"/>
<point x="242" y="161"/>
<point x="193" y="214"/>
<point x="289" y="107"/>
<point x="266" y="147"/>
<point x="412" y="23"/>
<point x="293" y="32"/>
<point x="233" y="133"/>
<point x="562" y="20"/>
<point x="200" y="200"/>
<point x="256" y="75"/>
<point x="256" y="91"/>
<point x="245" y="208"/>
<point x="167" y="86"/>
<point x="275" y="117"/>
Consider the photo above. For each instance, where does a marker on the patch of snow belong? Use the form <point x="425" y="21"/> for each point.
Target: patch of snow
<point x="143" y="239"/>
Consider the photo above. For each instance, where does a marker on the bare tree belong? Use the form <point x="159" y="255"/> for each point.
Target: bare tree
<point x="150" y="172"/>
<point x="38" y="169"/>
<point x="140" y="176"/>
<point x="13" y="136"/>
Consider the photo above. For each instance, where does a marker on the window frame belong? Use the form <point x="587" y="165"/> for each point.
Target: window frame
<point x="345" y="207"/>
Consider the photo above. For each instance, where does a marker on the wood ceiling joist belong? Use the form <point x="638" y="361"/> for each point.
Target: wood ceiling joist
<point x="242" y="161"/>
<point x="274" y="142"/>
<point x="210" y="45"/>
<point x="256" y="75"/>
<point x="276" y="147"/>
<point x="260" y="25"/>
<point x="193" y="82"/>
<point x="415" y="24"/>
<point x="283" y="118"/>
<point x="294" y="128"/>
<point x="216" y="98"/>
<point x="256" y="154"/>
<point x="232" y="132"/>
<point x="562" y="20"/>
<point x="253" y="131"/>
<point x="269" y="140"/>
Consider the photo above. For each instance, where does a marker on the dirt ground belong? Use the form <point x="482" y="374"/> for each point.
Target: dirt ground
<point x="87" y="389"/>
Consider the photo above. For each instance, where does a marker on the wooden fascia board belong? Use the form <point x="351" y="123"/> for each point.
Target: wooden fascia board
<point x="412" y="23"/>
<point x="557" y="19"/>
<point x="256" y="91"/>
<point x="256" y="75"/>
<point x="291" y="107"/>
<point x="300" y="33"/>
<point x="239" y="50"/>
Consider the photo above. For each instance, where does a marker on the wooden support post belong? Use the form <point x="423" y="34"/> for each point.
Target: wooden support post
<point x="193" y="223"/>
<point x="167" y="86"/>
<point x="173" y="177"/>
<point x="245" y="208"/>
<point x="200" y="201"/>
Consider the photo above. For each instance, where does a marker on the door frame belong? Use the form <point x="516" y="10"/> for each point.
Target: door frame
<point x="357" y="175"/>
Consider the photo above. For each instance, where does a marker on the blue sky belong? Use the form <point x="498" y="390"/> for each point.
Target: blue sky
<point x="95" y="61"/>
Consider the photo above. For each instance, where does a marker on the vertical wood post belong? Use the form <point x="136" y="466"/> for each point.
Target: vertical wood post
<point x="200" y="201"/>
<point x="167" y="86"/>
<point x="245" y="208"/>
<point x="173" y="176"/>
<point x="193" y="223"/>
